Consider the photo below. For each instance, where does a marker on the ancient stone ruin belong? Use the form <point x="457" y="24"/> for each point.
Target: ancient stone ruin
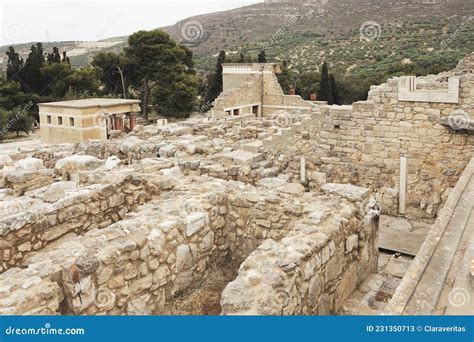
<point x="363" y="209"/>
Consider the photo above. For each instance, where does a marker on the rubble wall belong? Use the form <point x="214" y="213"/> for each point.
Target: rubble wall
<point x="139" y="264"/>
<point x="362" y="144"/>
<point x="314" y="268"/>
<point x="97" y="206"/>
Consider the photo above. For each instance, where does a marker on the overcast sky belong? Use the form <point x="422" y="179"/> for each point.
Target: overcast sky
<point x="24" y="21"/>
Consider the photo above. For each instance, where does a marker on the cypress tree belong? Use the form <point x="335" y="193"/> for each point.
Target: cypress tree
<point x="285" y="78"/>
<point x="335" y="91"/>
<point x="325" y="91"/>
<point x="65" y="58"/>
<point x="262" y="58"/>
<point x="215" y="87"/>
<point x="32" y="70"/>
<point x="14" y="66"/>
<point x="54" y="57"/>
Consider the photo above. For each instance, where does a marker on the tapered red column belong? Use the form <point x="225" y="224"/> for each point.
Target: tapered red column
<point x="132" y="120"/>
<point x="117" y="122"/>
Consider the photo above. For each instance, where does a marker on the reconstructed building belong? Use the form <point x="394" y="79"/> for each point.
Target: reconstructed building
<point x="252" y="89"/>
<point x="78" y="120"/>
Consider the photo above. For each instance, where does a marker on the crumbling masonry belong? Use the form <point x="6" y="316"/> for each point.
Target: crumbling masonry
<point x="286" y="200"/>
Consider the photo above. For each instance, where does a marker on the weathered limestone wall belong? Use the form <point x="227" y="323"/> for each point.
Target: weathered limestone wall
<point x="275" y="103"/>
<point x="22" y="181"/>
<point x="316" y="266"/>
<point x="130" y="267"/>
<point x="247" y="85"/>
<point x="260" y="215"/>
<point x="243" y="98"/>
<point x="139" y="264"/>
<point x="362" y="144"/>
<point x="31" y="227"/>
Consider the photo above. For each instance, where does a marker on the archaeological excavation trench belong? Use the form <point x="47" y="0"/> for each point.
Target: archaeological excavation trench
<point x="176" y="250"/>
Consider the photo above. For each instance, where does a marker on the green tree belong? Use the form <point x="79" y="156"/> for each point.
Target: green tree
<point x="55" y="76"/>
<point x="3" y="123"/>
<point x="66" y="58"/>
<point x="307" y="84"/>
<point x="325" y="91"/>
<point x="262" y="58"/>
<point x="111" y="72"/>
<point x="11" y="95"/>
<point x="54" y="57"/>
<point x="15" y="66"/>
<point x="178" y="98"/>
<point x="287" y="78"/>
<point x="202" y="90"/>
<point x="20" y="121"/>
<point x="83" y="82"/>
<point x="215" y="86"/>
<point x="153" y="59"/>
<point x="33" y="79"/>
<point x="335" y="91"/>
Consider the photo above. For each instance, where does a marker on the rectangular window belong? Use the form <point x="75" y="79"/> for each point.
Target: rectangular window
<point x="60" y="120"/>
<point x="71" y="122"/>
<point x="48" y="119"/>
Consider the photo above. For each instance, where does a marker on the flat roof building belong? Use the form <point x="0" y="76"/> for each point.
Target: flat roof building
<point x="78" y="120"/>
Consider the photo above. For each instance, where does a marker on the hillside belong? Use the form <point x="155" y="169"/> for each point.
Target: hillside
<point x="306" y="33"/>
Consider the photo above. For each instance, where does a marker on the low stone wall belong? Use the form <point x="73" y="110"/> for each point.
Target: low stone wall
<point x="130" y="267"/>
<point x="315" y="268"/>
<point x="80" y="210"/>
<point x="21" y="181"/>
<point x="275" y="103"/>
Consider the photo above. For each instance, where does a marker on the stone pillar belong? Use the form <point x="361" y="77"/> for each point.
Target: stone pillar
<point x="402" y="192"/>
<point x="303" y="170"/>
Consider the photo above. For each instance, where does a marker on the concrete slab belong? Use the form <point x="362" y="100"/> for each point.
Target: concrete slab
<point x="400" y="241"/>
<point x="398" y="223"/>
<point x="397" y="267"/>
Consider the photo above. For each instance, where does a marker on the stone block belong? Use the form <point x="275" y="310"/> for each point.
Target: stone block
<point x="239" y="157"/>
<point x="352" y="243"/>
<point x="196" y="221"/>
